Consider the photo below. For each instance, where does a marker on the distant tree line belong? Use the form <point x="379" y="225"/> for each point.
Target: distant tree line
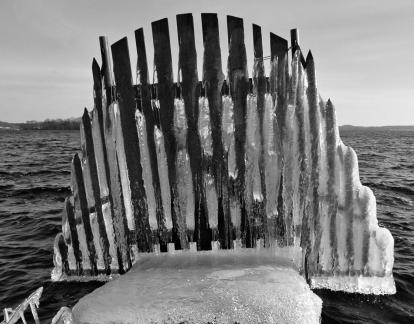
<point x="52" y="124"/>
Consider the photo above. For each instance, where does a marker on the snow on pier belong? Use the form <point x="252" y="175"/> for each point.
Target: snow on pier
<point x="227" y="286"/>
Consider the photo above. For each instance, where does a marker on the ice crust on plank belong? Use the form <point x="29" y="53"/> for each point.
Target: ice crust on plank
<point x="355" y="284"/>
<point x="241" y="286"/>
<point x="146" y="167"/>
<point x="183" y="169"/>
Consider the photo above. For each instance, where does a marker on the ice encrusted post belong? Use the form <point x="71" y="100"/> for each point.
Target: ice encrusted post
<point x="343" y="248"/>
<point x="355" y="254"/>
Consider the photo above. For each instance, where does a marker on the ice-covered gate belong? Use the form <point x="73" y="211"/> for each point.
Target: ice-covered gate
<point x="218" y="164"/>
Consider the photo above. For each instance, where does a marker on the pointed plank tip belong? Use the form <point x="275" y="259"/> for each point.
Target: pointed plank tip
<point x="85" y="117"/>
<point x="120" y="43"/>
<point x="75" y="158"/>
<point x="139" y="31"/>
<point x="160" y="22"/>
<point x="96" y="69"/>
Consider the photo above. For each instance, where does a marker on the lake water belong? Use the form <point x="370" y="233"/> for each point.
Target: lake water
<point x="34" y="181"/>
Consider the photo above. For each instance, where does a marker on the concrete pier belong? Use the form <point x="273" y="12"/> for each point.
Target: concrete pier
<point x="243" y="286"/>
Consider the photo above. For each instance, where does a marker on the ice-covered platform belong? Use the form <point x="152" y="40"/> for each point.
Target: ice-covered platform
<point x="243" y="286"/>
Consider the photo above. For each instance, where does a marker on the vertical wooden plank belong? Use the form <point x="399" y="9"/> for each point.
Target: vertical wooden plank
<point x="150" y="124"/>
<point x="289" y="188"/>
<point x="113" y="176"/>
<point x="315" y="155"/>
<point x="259" y="82"/>
<point x="332" y="139"/>
<point x="107" y="70"/>
<point x="278" y="50"/>
<point x="102" y="164"/>
<point x="294" y="44"/>
<point x="83" y="225"/>
<point x="302" y="117"/>
<point x="63" y="251"/>
<point x="89" y="156"/>
<point x="190" y="94"/>
<point x="294" y="41"/>
<point x="213" y="79"/>
<point x="165" y="87"/>
<point x="74" y="241"/>
<point x="239" y="86"/>
<point x="127" y="106"/>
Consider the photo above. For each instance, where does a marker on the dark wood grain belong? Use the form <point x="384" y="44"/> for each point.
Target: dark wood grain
<point x="68" y="211"/>
<point x="81" y="204"/>
<point x="165" y="88"/>
<point x="127" y="107"/>
<point x="213" y="79"/>
<point x="259" y="83"/>
<point x="149" y="115"/>
<point x="89" y="156"/>
<point x="239" y="86"/>
<point x="113" y="176"/>
<point x="190" y="93"/>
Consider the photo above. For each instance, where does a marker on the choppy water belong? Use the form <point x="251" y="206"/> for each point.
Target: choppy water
<point x="34" y="180"/>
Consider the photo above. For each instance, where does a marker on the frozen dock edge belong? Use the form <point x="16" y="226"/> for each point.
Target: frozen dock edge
<point x="243" y="286"/>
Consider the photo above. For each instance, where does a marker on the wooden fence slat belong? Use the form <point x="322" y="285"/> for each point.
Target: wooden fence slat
<point x="127" y="106"/>
<point x="83" y="225"/>
<point x="190" y="94"/>
<point x="259" y="82"/>
<point x="63" y="251"/>
<point x="150" y="124"/>
<point x="239" y="86"/>
<point x="278" y="46"/>
<point x="98" y="132"/>
<point x="107" y="69"/>
<point x="213" y="79"/>
<point x="304" y="177"/>
<point x="315" y="145"/>
<point x="90" y="159"/>
<point x="332" y="138"/>
<point x="74" y="241"/>
<point x="102" y="164"/>
<point x="279" y="51"/>
<point x="165" y="88"/>
<point x="113" y="176"/>
<point x="295" y="45"/>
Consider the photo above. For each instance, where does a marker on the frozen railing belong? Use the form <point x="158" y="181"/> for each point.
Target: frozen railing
<point x="218" y="164"/>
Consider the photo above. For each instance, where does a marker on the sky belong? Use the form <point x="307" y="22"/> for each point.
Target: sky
<point x="363" y="50"/>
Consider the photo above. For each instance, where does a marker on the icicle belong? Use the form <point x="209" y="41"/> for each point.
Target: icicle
<point x="146" y="169"/>
<point x="272" y="159"/>
<point x="163" y="172"/>
<point x="228" y="135"/>
<point x="183" y="169"/>
<point x="252" y="182"/>
<point x="123" y="170"/>
<point x="204" y="129"/>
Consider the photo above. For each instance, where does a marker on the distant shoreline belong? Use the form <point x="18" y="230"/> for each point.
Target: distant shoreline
<point x="74" y="124"/>
<point x="384" y="128"/>
<point x="48" y="124"/>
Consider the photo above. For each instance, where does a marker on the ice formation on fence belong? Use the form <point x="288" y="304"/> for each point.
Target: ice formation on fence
<point x="218" y="165"/>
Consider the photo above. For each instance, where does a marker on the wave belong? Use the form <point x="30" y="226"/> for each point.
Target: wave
<point x="39" y="191"/>
<point x="399" y="189"/>
<point x="31" y="173"/>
